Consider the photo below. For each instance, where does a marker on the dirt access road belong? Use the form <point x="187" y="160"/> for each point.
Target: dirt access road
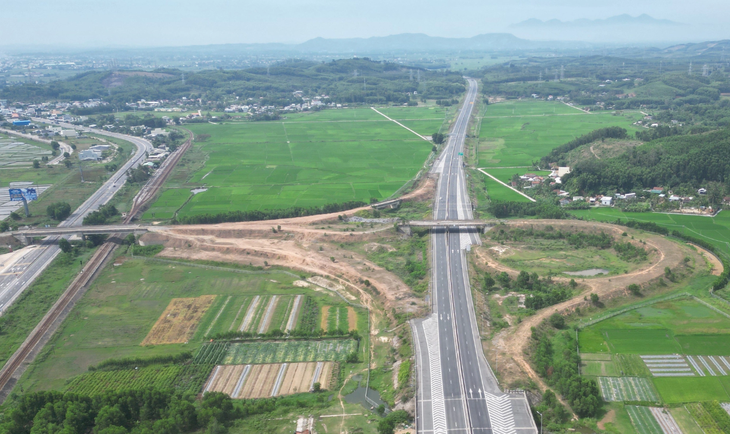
<point x="511" y="344"/>
<point x="300" y="244"/>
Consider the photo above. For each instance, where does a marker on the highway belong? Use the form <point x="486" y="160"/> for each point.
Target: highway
<point x="457" y="390"/>
<point x="16" y="277"/>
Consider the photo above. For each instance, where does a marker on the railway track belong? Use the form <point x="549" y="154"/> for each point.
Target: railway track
<point x="149" y="191"/>
<point x="45" y="329"/>
<point x="31" y="345"/>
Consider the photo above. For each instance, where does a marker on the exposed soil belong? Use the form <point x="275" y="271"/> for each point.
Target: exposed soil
<point x="351" y="318"/>
<point x="178" y="322"/>
<point x="298" y="245"/>
<point x="324" y="317"/>
<point x="608" y="418"/>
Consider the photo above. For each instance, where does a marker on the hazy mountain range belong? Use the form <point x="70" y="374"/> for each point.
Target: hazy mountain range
<point x="613" y="30"/>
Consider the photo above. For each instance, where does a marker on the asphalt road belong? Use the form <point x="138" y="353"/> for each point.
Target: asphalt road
<point x="458" y="392"/>
<point x="16" y="278"/>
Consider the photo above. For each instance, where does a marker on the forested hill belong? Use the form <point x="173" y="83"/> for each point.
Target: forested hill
<point x="344" y="81"/>
<point x="678" y="161"/>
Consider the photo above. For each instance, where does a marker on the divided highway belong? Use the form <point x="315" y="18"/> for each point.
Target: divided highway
<point x="16" y="278"/>
<point x="457" y="390"/>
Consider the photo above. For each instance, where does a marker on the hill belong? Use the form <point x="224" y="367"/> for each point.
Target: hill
<point x="689" y="161"/>
<point x="375" y="82"/>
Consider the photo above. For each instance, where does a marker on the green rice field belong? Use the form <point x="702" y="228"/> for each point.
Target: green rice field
<point x="304" y="160"/>
<point x="516" y="133"/>
<point x="670" y="327"/>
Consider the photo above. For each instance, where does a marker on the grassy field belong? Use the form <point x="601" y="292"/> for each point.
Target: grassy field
<point x="675" y="390"/>
<point x="308" y="159"/>
<point x="679" y="326"/>
<point x="125" y="302"/>
<point x="715" y="230"/>
<point x="516" y="133"/>
<point x="544" y="256"/>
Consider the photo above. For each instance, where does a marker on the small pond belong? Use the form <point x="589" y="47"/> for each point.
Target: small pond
<point x="198" y="190"/>
<point x="584" y="273"/>
<point x="358" y="397"/>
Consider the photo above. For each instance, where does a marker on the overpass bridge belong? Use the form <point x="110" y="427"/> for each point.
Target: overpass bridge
<point x="26" y="235"/>
<point x="456" y="225"/>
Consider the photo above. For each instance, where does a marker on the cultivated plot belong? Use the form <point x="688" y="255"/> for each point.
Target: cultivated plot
<point x="306" y="160"/>
<point x="178" y="322"/>
<point x="670" y="365"/>
<point x="643" y="420"/>
<point x="288" y="351"/>
<point x="518" y="133"/>
<point x="626" y="389"/>
<point x="269" y="380"/>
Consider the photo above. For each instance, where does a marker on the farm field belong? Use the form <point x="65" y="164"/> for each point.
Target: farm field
<point x="126" y="301"/>
<point x="710" y="416"/>
<point x="643" y="420"/>
<point x="669" y="327"/>
<point x="308" y="159"/>
<point x="263" y="381"/>
<point x="626" y="389"/>
<point x="178" y="322"/>
<point x="288" y="351"/>
<point x="516" y="133"/>
<point x="188" y="377"/>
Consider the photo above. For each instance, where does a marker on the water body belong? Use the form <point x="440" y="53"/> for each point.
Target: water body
<point x="358" y="397"/>
<point x="584" y="273"/>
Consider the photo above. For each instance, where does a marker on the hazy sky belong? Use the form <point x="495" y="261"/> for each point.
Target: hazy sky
<point x="84" y="23"/>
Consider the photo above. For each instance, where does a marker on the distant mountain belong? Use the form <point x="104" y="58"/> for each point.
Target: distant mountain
<point x="618" y="20"/>
<point x="618" y="29"/>
<point x="417" y="42"/>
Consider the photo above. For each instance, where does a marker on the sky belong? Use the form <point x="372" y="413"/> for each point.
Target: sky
<point x="159" y="23"/>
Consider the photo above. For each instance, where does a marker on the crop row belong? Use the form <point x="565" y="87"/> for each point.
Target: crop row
<point x="643" y="420"/>
<point x="710" y="417"/>
<point x="289" y="351"/>
<point x="626" y="389"/>
<point x="185" y="377"/>
<point x="308" y="324"/>
<point x="211" y="353"/>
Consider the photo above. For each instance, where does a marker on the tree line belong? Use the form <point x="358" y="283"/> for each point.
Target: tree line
<point x="273" y="214"/>
<point x="559" y="154"/>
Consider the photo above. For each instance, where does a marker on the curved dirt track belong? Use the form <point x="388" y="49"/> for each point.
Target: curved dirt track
<point x="512" y="343"/>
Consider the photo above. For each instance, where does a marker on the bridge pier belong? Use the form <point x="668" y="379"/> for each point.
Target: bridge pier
<point x="406" y="229"/>
<point x="23" y="239"/>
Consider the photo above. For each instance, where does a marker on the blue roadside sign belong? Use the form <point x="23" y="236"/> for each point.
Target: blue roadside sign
<point x="18" y="194"/>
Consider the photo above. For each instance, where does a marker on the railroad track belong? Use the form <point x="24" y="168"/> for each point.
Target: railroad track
<point x="29" y="346"/>
<point x="149" y="191"/>
<point x="40" y="334"/>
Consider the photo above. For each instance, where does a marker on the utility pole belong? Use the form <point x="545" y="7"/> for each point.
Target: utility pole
<point x="540" y="78"/>
<point x="411" y="74"/>
<point x="183" y="78"/>
<point x="363" y="84"/>
<point x="705" y="70"/>
<point x="354" y="73"/>
<point x="690" y="68"/>
<point x="562" y="72"/>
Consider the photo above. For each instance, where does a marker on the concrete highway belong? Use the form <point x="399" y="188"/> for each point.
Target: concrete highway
<point x="457" y="390"/>
<point x="16" y="277"/>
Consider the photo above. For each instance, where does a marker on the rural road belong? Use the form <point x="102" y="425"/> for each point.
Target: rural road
<point x="27" y="267"/>
<point x="457" y="390"/>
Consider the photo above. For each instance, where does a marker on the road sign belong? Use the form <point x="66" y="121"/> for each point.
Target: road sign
<point x="20" y="194"/>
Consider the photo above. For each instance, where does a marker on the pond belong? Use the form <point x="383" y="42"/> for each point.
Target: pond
<point x="198" y="190"/>
<point x="584" y="273"/>
<point x="371" y="402"/>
